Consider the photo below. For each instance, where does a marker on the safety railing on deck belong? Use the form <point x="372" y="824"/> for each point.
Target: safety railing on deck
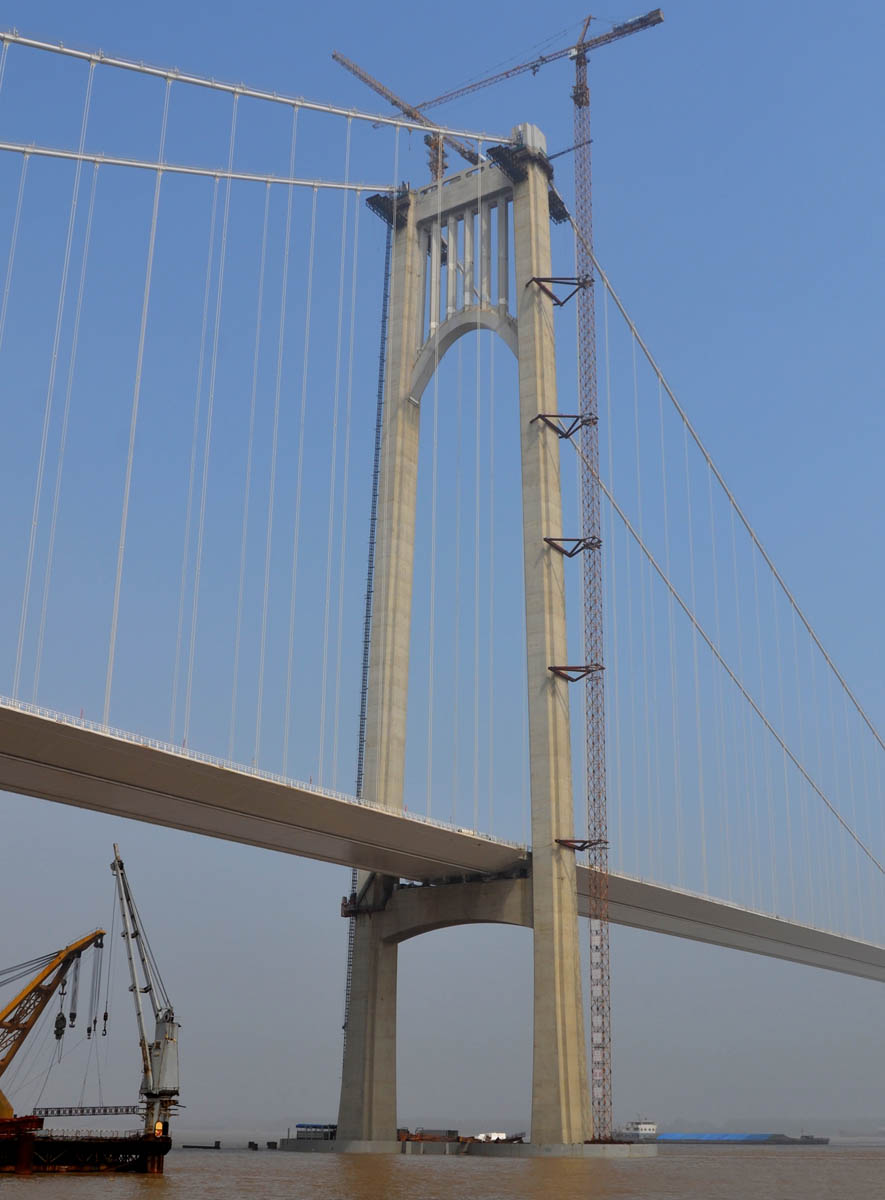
<point x="36" y="710"/>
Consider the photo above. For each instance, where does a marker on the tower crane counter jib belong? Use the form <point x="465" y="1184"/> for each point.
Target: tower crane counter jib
<point x="159" y="1085"/>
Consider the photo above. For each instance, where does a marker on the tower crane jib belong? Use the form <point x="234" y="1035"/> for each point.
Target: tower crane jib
<point x="648" y="21"/>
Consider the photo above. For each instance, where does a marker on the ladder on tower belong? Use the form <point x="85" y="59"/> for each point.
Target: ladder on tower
<point x="370" y="590"/>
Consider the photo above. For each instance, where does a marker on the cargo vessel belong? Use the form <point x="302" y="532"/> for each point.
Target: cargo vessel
<point x="640" y="1130"/>
<point x="26" y="1147"/>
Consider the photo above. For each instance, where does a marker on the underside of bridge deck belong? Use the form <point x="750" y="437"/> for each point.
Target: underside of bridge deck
<point x="70" y="764"/>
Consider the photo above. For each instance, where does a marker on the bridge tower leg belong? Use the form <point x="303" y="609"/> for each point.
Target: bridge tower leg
<point x="367" y="1109"/>
<point x="421" y="221"/>
<point x="560" y="1111"/>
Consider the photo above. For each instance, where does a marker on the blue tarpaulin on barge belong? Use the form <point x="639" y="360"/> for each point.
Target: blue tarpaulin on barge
<point x="714" y="1137"/>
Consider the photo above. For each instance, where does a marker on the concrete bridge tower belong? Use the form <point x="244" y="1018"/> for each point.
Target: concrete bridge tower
<point x="449" y="279"/>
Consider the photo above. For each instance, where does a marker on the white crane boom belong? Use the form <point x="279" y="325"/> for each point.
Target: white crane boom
<point x="159" y="1085"/>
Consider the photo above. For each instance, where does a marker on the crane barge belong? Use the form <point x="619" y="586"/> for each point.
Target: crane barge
<point x="25" y="1146"/>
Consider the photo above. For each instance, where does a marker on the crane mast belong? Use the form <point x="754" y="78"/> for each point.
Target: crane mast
<point x="594" y="681"/>
<point x="159" y="1056"/>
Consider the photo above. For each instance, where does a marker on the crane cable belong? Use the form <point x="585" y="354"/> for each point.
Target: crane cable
<point x="20" y="970"/>
<point x="104" y="1029"/>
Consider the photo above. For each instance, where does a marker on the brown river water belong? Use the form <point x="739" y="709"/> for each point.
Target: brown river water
<point x="678" y="1173"/>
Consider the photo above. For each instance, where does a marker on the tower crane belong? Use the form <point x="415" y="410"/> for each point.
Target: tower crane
<point x="588" y="429"/>
<point x="650" y="19"/>
<point x="20" y="1016"/>
<point x="436" y="142"/>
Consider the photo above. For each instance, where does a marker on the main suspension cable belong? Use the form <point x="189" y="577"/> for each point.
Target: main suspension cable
<point x="671" y="588"/>
<point x="728" y="492"/>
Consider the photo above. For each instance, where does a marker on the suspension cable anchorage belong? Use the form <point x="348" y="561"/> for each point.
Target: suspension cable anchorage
<point x="546" y="283"/>
<point x="556" y="422"/>
<point x="575" y="673"/>
<point x="570" y="546"/>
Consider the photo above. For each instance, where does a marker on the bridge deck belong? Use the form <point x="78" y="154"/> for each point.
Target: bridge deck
<point x="45" y="756"/>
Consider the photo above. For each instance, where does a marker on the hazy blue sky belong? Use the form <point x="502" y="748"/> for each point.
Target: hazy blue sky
<point x="738" y="193"/>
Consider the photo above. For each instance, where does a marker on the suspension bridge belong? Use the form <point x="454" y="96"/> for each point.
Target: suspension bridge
<point x="198" y="438"/>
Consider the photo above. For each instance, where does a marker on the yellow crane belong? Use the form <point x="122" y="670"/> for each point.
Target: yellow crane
<point x="20" y="1016"/>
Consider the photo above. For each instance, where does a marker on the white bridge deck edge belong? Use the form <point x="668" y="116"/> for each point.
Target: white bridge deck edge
<point x="52" y="757"/>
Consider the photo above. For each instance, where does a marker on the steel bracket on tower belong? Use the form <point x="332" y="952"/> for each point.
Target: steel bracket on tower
<point x="357" y="904"/>
<point x="513" y="160"/>
<point x="578" y="283"/>
<point x="570" y="546"/>
<point x="576" y="421"/>
<point x="350" y="907"/>
<point x="520" y="871"/>
<point x="580" y="844"/>
<point x="391" y="207"/>
<point x="559" y="214"/>
<point x="575" y="673"/>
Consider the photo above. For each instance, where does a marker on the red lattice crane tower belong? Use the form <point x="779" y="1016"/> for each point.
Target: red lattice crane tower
<point x="594" y="681"/>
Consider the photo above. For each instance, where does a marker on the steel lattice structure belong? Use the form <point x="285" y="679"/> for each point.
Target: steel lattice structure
<point x="594" y="685"/>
